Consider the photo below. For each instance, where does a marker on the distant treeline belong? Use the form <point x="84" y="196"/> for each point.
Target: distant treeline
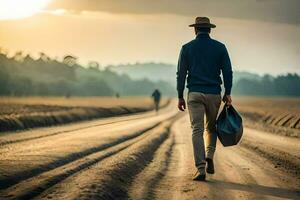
<point x="245" y="83"/>
<point x="22" y="75"/>
<point x="283" y="85"/>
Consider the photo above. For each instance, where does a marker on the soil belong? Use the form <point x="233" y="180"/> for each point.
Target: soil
<point x="143" y="156"/>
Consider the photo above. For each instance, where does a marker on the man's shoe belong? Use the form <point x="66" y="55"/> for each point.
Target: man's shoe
<point x="199" y="176"/>
<point x="210" y="166"/>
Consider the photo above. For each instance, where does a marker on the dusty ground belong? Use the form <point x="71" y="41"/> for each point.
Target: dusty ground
<point x="144" y="156"/>
<point x="105" y="102"/>
<point x="278" y="115"/>
<point x="19" y="113"/>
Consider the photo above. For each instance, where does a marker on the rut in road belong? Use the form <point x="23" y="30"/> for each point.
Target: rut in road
<point x="279" y="158"/>
<point x="240" y="174"/>
<point x="158" y="164"/>
<point x="110" y="178"/>
<point x="54" y="133"/>
<point x="9" y="181"/>
<point x="42" y="144"/>
<point x="34" y="186"/>
<point x="169" y="175"/>
<point x="51" y="131"/>
<point x="154" y="172"/>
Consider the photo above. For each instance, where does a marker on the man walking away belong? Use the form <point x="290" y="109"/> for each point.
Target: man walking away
<point x="156" y="95"/>
<point x="202" y="60"/>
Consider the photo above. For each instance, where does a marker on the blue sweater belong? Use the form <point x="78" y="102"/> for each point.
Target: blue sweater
<point x="202" y="60"/>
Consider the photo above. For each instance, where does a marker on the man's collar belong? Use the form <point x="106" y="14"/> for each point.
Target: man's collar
<point x="202" y="35"/>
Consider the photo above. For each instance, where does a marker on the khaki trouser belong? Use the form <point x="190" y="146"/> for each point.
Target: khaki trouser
<point x="198" y="105"/>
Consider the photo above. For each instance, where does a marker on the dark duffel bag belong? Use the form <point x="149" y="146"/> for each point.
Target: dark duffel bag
<point x="229" y="126"/>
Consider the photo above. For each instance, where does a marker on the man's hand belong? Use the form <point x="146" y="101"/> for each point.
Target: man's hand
<point x="227" y="100"/>
<point x="181" y="104"/>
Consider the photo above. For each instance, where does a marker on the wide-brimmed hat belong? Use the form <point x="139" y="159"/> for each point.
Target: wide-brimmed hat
<point x="203" y="22"/>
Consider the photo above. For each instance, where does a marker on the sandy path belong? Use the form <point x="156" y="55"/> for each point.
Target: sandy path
<point x="58" y="146"/>
<point x="144" y="156"/>
<point x="241" y="173"/>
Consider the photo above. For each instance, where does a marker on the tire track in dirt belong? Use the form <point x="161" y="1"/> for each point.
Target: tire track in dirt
<point x="153" y="173"/>
<point x="36" y="185"/>
<point x="221" y="174"/>
<point x="238" y="176"/>
<point x="280" y="159"/>
<point x="169" y="172"/>
<point x="111" y="178"/>
<point x="250" y="176"/>
<point x="240" y="170"/>
<point x="179" y="181"/>
<point x="124" y="118"/>
<point x="3" y="143"/>
<point x="158" y="164"/>
<point x="271" y="182"/>
<point x="45" y="117"/>
<point x="8" y="180"/>
<point x="169" y="175"/>
<point x="21" y="176"/>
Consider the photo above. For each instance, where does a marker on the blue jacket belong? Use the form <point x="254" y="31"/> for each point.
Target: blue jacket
<point x="202" y="60"/>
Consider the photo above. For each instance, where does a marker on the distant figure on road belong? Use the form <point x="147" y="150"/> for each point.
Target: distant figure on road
<point x="202" y="60"/>
<point x="156" y="95"/>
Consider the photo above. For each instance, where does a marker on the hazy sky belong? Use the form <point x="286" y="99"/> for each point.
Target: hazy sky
<point x="261" y="35"/>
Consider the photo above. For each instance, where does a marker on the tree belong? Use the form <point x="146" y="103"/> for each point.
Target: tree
<point x="18" y="56"/>
<point x="44" y="57"/>
<point x="93" y="65"/>
<point x="70" y="60"/>
<point x="4" y="82"/>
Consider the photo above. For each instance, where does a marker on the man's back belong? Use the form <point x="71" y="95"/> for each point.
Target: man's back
<point x="156" y="95"/>
<point x="203" y="59"/>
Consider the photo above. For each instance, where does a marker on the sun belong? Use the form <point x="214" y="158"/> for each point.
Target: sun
<point x="16" y="9"/>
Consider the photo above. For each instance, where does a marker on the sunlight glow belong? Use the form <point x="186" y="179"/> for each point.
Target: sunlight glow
<point x="16" y="9"/>
<point x="59" y="12"/>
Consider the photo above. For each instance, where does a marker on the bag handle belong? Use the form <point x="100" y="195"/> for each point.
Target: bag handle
<point x="226" y="109"/>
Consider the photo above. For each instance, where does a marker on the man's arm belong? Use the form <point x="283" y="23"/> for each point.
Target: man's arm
<point x="181" y="73"/>
<point x="227" y="75"/>
<point x="226" y="71"/>
<point x="181" y="77"/>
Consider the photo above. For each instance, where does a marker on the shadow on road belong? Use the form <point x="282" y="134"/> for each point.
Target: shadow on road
<point x="258" y="189"/>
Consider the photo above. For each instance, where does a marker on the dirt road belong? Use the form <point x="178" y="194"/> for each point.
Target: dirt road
<point x="144" y="156"/>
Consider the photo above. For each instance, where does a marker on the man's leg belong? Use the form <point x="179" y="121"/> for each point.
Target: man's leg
<point x="196" y="111"/>
<point x="156" y="103"/>
<point x="212" y="105"/>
